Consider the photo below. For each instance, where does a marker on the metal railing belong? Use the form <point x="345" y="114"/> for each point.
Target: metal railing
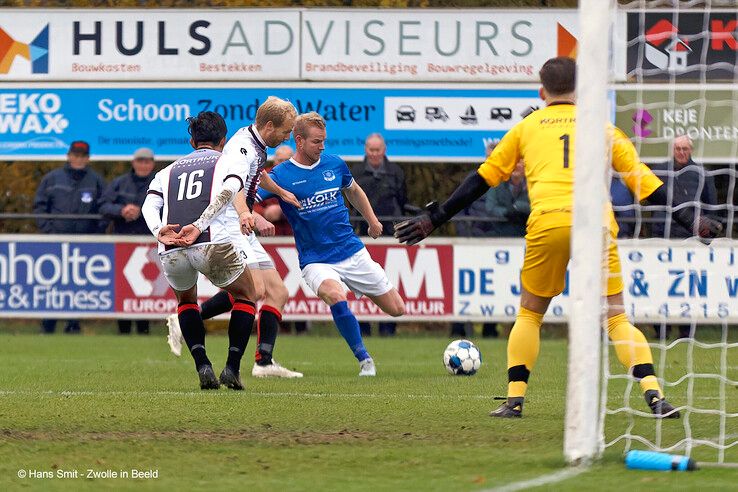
<point x="32" y="216"/>
<point x="354" y="219"/>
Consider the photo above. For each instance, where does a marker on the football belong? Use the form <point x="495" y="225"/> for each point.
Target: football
<point x="462" y="358"/>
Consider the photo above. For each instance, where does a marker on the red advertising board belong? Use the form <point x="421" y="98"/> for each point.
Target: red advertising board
<point x="141" y="287"/>
<point x="423" y="276"/>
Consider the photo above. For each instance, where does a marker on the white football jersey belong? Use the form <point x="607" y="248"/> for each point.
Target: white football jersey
<point x="189" y="184"/>
<point x="247" y="148"/>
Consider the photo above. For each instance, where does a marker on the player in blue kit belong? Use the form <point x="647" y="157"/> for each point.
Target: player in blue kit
<point x="329" y="251"/>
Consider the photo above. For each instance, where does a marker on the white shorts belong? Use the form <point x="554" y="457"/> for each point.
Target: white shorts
<point x="361" y="274"/>
<point x="256" y="256"/>
<point x="221" y="263"/>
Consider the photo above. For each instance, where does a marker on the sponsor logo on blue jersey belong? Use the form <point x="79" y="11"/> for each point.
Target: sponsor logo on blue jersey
<point x="320" y="199"/>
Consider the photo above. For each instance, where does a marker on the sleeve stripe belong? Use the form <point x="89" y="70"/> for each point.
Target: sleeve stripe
<point x="154" y="192"/>
<point x="237" y="177"/>
<point x="349" y="184"/>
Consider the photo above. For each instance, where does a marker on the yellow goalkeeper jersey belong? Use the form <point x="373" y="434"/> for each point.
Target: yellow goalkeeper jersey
<point x="545" y="141"/>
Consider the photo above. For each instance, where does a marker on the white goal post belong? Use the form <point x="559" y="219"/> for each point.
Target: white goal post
<point x="582" y="436"/>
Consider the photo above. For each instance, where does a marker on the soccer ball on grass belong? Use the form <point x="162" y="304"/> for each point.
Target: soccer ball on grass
<point x="462" y="358"/>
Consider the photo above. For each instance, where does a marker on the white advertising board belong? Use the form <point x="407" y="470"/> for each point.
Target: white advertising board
<point x="391" y="45"/>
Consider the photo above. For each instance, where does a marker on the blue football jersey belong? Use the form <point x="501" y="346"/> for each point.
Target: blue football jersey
<point x="323" y="233"/>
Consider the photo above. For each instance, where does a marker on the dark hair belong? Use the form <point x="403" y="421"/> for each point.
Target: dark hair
<point x="207" y="127"/>
<point x="558" y="75"/>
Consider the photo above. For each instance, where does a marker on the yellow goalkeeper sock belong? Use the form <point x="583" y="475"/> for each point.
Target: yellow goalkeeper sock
<point x="522" y="351"/>
<point x="633" y="351"/>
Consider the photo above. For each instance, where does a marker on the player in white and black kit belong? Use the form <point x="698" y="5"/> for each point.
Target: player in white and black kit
<point x="194" y="190"/>
<point x="273" y="125"/>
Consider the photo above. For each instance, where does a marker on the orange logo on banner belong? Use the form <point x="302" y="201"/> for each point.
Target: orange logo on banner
<point x="566" y="42"/>
<point x="37" y="51"/>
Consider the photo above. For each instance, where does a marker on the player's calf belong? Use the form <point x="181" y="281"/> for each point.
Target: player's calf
<point x="390" y="302"/>
<point x="193" y="331"/>
<point x="267" y="328"/>
<point x="239" y="330"/>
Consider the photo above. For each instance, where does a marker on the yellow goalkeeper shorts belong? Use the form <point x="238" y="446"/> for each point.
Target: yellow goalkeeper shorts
<point x="547" y="256"/>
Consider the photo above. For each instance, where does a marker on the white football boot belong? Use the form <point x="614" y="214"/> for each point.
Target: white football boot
<point x="174" y="338"/>
<point x="273" y="370"/>
<point x="367" y="367"/>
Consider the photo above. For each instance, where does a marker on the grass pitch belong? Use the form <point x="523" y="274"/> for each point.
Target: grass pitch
<point x="118" y="404"/>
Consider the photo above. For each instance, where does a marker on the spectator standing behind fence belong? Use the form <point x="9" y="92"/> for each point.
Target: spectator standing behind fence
<point x="271" y="211"/>
<point x="72" y="189"/>
<point x="384" y="184"/>
<point x="383" y="181"/>
<point x="121" y="202"/>
<point x="686" y="181"/>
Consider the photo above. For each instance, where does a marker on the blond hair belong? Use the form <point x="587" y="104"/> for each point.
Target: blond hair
<point x="305" y="121"/>
<point x="275" y="110"/>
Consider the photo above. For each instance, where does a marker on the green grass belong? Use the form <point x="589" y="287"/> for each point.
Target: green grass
<point x="108" y="402"/>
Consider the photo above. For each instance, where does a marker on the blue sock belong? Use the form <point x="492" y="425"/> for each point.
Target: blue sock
<point x="348" y="326"/>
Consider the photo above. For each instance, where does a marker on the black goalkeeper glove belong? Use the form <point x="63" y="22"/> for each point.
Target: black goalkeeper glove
<point x="709" y="228"/>
<point x="706" y="227"/>
<point x="412" y="231"/>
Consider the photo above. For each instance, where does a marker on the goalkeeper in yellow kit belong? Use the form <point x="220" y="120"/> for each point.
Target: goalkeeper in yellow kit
<point x="545" y="141"/>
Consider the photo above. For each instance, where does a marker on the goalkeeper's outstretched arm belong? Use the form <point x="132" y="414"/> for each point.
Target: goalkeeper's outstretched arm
<point x="706" y="227"/>
<point x="414" y="230"/>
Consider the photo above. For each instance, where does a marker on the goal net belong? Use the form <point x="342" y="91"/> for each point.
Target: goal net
<point x="668" y="78"/>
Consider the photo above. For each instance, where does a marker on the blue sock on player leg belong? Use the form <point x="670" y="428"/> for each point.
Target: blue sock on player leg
<point x="348" y="326"/>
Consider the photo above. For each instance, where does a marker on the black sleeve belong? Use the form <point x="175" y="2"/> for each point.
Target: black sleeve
<point x="658" y="197"/>
<point x="685" y="217"/>
<point x="473" y="187"/>
<point x="108" y="203"/>
<point x="709" y="192"/>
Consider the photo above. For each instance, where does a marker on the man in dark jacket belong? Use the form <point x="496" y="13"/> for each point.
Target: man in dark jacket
<point x="382" y="181"/>
<point x="121" y="202"/>
<point x="688" y="182"/>
<point x="384" y="184"/>
<point x="72" y="189"/>
<point x="122" y="199"/>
